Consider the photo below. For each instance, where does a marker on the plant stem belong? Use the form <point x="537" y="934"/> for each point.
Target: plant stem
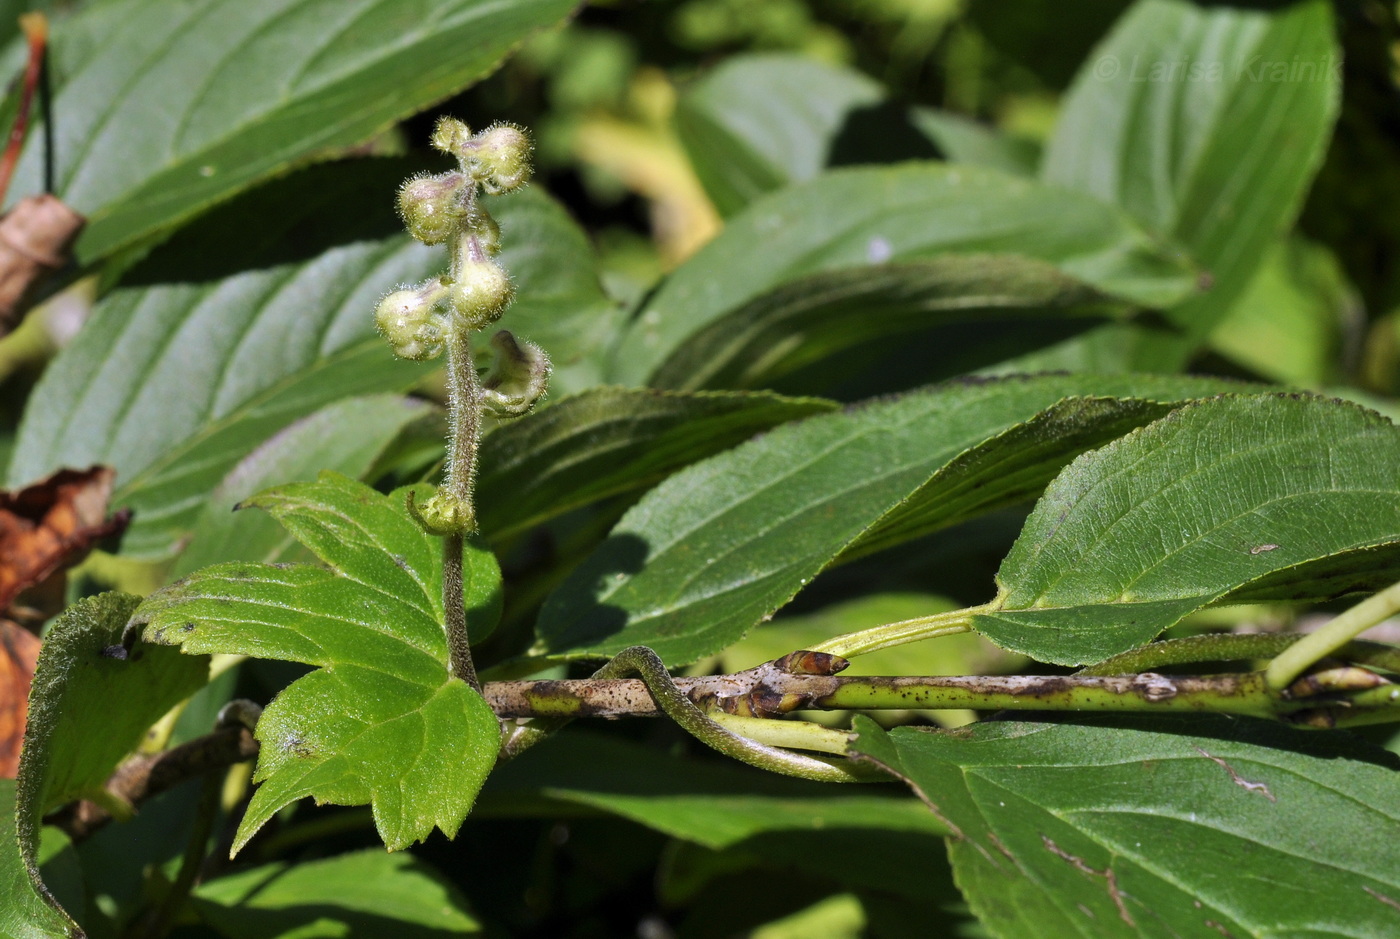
<point x="1232" y="647"/>
<point x="794" y="735"/>
<point x="1228" y="693"/>
<point x="164" y="915"/>
<point x="464" y="409"/>
<point x="895" y="634"/>
<point x="677" y="705"/>
<point x="1345" y="627"/>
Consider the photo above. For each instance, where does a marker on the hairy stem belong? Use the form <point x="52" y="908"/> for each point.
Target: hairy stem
<point x="464" y="410"/>
<point x="1345" y="627"/>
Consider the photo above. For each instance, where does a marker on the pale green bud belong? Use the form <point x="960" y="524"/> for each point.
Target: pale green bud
<point x="441" y="514"/>
<point x="432" y="206"/>
<point x="407" y="318"/>
<point x="487" y="232"/>
<point x="481" y="292"/>
<point x="519" y="378"/>
<point x="503" y="151"/>
<point x="451" y="136"/>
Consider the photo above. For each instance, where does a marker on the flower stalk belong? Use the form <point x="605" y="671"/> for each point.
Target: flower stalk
<point x="422" y="321"/>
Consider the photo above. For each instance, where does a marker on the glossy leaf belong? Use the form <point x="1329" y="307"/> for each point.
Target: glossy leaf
<point x="365" y="893"/>
<point x="1207" y="126"/>
<point x="173" y="384"/>
<point x="763" y="121"/>
<point x="379" y="721"/>
<point x="717" y="806"/>
<point x="246" y="90"/>
<point x="1277" y="497"/>
<point x="868" y="217"/>
<point x="75" y="737"/>
<point x="1214" y="827"/>
<point x="347" y="437"/>
<point x="814" y="319"/>
<point x="611" y="441"/>
<point x="724" y="543"/>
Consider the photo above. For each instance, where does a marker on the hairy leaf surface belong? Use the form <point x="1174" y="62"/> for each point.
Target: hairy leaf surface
<point x="90" y="706"/>
<point x="868" y="217"/>
<point x="724" y="543"/>
<point x="609" y="441"/>
<point x="379" y="721"/>
<point x="1219" y="496"/>
<point x="1215" y="827"/>
<point x="245" y="91"/>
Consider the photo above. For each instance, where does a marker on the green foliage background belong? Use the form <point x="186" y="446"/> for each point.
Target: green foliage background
<point x="749" y="220"/>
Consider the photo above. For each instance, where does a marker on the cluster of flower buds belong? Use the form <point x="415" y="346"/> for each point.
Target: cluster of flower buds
<point x="444" y="209"/>
<point x="422" y="321"/>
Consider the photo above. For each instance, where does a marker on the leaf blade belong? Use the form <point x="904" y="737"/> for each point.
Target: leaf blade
<point x="1180" y="514"/>
<point x="724" y="543"/>
<point x="380" y="721"/>
<point x="1134" y="828"/>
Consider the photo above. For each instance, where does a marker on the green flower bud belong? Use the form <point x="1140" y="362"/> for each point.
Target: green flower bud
<point x="408" y="320"/>
<point x="441" y="514"/>
<point x="519" y="378"/>
<point x="432" y="206"/>
<point x="451" y="136"/>
<point x="487" y="232"/>
<point x="503" y="153"/>
<point x="481" y="292"/>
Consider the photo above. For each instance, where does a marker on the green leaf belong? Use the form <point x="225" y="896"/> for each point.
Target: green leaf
<point x="379" y="721"/>
<point x="867" y="217"/>
<point x="724" y="543"/>
<point x="762" y="121"/>
<point x="1288" y="324"/>
<point x="23" y="912"/>
<point x="717" y="805"/>
<point x="347" y="437"/>
<point x="813" y="319"/>
<point x="174" y="383"/>
<point x="1269" y="497"/>
<point x="1217" y="147"/>
<point x="365" y="893"/>
<point x="245" y="91"/>
<point x="610" y="441"/>
<point x="90" y="706"/>
<point x="1216" y="826"/>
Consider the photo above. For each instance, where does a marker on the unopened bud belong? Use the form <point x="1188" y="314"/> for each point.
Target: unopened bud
<point x="481" y="292"/>
<point x="431" y="206"/>
<point x="451" y="136"/>
<point x="487" y="232"/>
<point x="441" y="514"/>
<point x="519" y="378"/>
<point x="503" y="151"/>
<point x="407" y="318"/>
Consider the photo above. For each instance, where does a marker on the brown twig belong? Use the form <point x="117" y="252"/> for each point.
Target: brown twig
<point x="144" y="777"/>
<point x="36" y="31"/>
